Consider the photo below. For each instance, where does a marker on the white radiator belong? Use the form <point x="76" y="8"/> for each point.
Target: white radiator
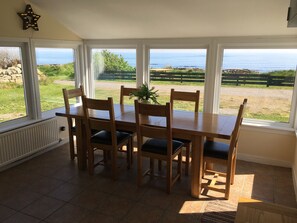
<point x="17" y="144"/>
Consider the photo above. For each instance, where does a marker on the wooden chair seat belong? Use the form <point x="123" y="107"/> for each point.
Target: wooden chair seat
<point x="159" y="146"/>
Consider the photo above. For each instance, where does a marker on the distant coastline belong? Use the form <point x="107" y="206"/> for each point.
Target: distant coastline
<point x="258" y="62"/>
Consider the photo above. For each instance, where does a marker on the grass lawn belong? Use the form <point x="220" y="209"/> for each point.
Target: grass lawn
<point x="13" y="103"/>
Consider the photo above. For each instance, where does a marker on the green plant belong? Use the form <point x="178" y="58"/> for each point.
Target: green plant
<point x="146" y="94"/>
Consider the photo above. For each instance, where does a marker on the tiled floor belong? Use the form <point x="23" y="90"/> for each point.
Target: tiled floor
<point x="50" y="188"/>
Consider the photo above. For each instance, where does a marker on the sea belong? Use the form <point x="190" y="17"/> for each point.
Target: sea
<point x="252" y="59"/>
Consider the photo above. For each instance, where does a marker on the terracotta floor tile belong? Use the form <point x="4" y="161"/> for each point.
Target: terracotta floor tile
<point x="66" y="192"/>
<point x="5" y="213"/>
<point x="68" y="214"/>
<point x="19" y="217"/>
<point x="43" y="207"/>
<point x="50" y="188"/>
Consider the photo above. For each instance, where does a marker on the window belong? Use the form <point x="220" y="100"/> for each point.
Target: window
<point x="12" y="87"/>
<point x="265" y="76"/>
<point x="112" y="68"/>
<point x="181" y="69"/>
<point x="55" y="70"/>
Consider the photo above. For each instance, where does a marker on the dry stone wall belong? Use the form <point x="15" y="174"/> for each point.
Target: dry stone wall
<point x="14" y="75"/>
<point x="11" y="74"/>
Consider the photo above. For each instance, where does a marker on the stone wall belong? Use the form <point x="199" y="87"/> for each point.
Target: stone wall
<point x="11" y="74"/>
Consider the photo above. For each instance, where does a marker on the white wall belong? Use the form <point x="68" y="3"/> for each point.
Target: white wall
<point x="267" y="146"/>
<point x="11" y="25"/>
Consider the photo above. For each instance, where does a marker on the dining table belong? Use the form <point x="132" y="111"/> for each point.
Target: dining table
<point x="194" y="126"/>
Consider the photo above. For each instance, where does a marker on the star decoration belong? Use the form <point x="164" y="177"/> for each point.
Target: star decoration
<point x="29" y="18"/>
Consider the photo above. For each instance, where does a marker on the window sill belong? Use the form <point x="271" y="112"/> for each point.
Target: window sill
<point x="23" y="122"/>
<point x="269" y="127"/>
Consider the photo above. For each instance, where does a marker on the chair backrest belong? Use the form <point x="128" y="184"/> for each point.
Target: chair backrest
<point x="236" y="130"/>
<point x="185" y="96"/>
<point x="72" y="93"/>
<point x="154" y="121"/>
<point x="99" y="115"/>
<point x="126" y="92"/>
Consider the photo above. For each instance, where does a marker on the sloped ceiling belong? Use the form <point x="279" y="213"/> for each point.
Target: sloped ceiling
<point x="119" y="19"/>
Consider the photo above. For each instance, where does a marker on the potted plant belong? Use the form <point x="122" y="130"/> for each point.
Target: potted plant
<point x="146" y="94"/>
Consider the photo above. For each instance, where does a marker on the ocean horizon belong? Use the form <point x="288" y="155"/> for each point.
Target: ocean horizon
<point x="261" y="61"/>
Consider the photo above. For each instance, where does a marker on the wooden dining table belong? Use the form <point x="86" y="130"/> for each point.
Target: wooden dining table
<point x="185" y="124"/>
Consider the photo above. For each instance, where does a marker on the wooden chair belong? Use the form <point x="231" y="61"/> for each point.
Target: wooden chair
<point x="107" y="138"/>
<point x="186" y="97"/>
<point x="69" y="94"/>
<point x="225" y="154"/>
<point x="160" y="144"/>
<point x="126" y="92"/>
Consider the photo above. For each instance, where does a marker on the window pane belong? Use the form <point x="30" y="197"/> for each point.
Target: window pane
<point x="112" y="68"/>
<point x="12" y="94"/>
<point x="181" y="69"/>
<point x="264" y="76"/>
<point x="55" y="68"/>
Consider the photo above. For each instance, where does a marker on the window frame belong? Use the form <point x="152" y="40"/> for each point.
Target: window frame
<point x="256" y="44"/>
<point x="23" y="44"/>
<point x="107" y="44"/>
<point x="201" y="44"/>
<point x="78" y="68"/>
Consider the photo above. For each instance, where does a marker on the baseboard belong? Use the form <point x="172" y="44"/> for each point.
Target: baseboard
<point x="10" y="165"/>
<point x="263" y="160"/>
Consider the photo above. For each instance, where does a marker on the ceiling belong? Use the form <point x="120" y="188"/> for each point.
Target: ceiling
<point x="126" y="19"/>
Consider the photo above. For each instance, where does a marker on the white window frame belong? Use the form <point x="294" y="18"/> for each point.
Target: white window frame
<point x="261" y="43"/>
<point x="23" y="44"/>
<point x="78" y="69"/>
<point x="110" y="44"/>
<point x="198" y="44"/>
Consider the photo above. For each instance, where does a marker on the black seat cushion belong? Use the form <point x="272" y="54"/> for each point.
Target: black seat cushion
<point x="216" y="149"/>
<point x="159" y="146"/>
<point x="183" y="140"/>
<point x="104" y="137"/>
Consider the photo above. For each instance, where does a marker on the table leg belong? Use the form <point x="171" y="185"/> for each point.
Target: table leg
<point x="197" y="164"/>
<point x="80" y="144"/>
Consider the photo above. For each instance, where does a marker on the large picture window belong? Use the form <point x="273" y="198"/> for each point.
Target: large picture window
<point x="112" y="68"/>
<point x="12" y="91"/>
<point x="181" y="69"/>
<point x="265" y="76"/>
<point x="55" y="70"/>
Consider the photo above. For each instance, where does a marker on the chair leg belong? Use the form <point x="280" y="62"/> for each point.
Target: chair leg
<point x="131" y="149"/>
<point x="233" y="170"/>
<point x="188" y="146"/>
<point x="91" y="161"/>
<point x="179" y="166"/>
<point x="71" y="145"/>
<point x="228" y="182"/>
<point x="169" y="176"/>
<point x="129" y="154"/>
<point x="159" y="165"/>
<point x="114" y="164"/>
<point x="152" y="168"/>
<point x="139" y="169"/>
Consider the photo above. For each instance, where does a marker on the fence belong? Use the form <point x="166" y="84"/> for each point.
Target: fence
<point x="227" y="79"/>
